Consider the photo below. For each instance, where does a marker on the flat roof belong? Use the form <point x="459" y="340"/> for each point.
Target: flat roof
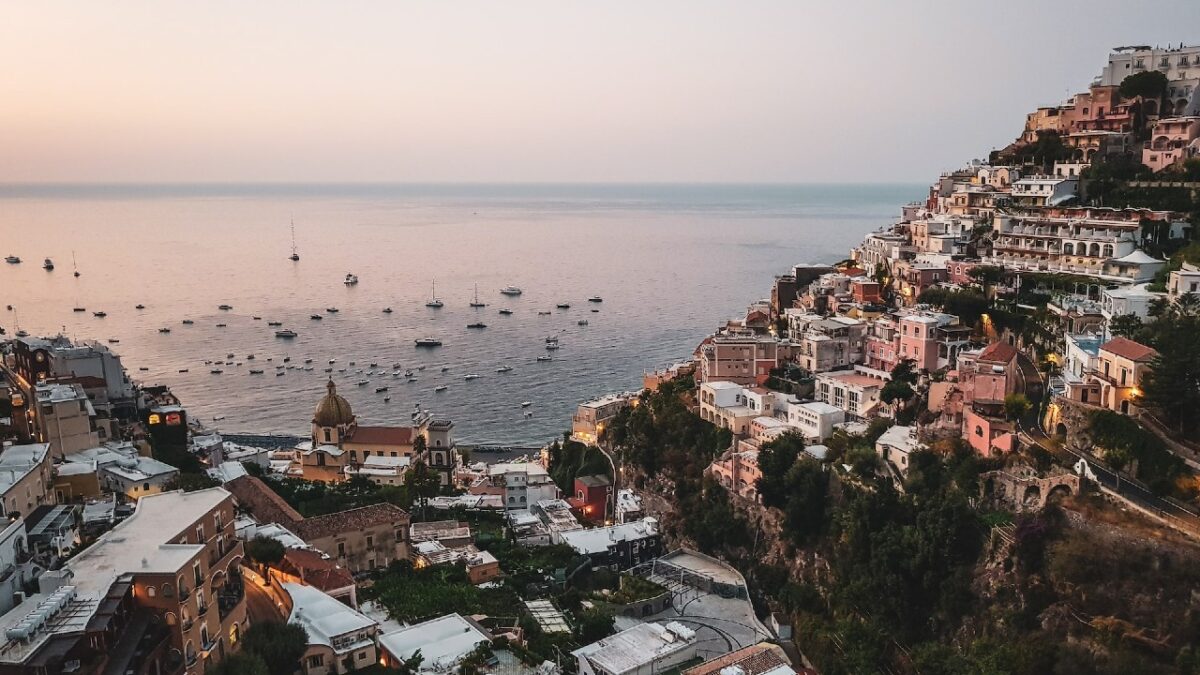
<point x="635" y="647"/>
<point x="326" y="618"/>
<point x="442" y="641"/>
<point x="597" y="540"/>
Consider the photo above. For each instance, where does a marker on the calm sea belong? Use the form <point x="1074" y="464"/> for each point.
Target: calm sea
<point x="670" y="261"/>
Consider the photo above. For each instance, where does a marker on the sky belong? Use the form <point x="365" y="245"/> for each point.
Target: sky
<point x="541" y="91"/>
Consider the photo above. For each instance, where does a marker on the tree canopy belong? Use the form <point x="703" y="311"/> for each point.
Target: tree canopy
<point x="1149" y="84"/>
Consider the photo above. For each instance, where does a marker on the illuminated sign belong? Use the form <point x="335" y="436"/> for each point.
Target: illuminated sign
<point x="174" y="419"/>
<point x="155" y="419"/>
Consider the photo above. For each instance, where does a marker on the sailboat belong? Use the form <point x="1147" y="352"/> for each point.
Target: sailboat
<point x="433" y="301"/>
<point x="294" y="257"/>
<point x="74" y="265"/>
<point x="476" y="302"/>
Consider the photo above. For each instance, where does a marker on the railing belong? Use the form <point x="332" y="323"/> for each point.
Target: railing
<point x="191" y="659"/>
<point x="202" y="610"/>
<point x="187" y="624"/>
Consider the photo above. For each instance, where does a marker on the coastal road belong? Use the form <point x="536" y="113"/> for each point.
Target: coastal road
<point x="260" y="604"/>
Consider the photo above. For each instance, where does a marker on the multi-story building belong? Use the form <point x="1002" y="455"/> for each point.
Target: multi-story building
<point x="161" y="593"/>
<point x="738" y="473"/>
<point x="744" y="359"/>
<point x="524" y="483"/>
<point x="932" y="340"/>
<point x="340" y="638"/>
<point x="896" y="445"/>
<point x="1172" y="140"/>
<point x="854" y="391"/>
<point x="26" y="475"/>
<point x="1181" y="65"/>
<point x="1044" y="190"/>
<point x="591" y="417"/>
<point x="643" y="649"/>
<point x="881" y="250"/>
<point x="815" y="420"/>
<point x="1182" y="281"/>
<point x="1123" y="300"/>
<point x="39" y="360"/>
<point x="1121" y="364"/>
<point x="618" y="547"/>
<point x="66" y="420"/>
<point x="825" y="343"/>
<point x="732" y="406"/>
<point x="881" y="345"/>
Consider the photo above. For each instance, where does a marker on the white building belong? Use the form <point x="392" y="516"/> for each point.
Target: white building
<point x="524" y="483"/>
<point x="1045" y="190"/>
<point x="645" y="649"/>
<point x="121" y="468"/>
<point x="381" y="470"/>
<point x="854" y="391"/>
<point x="1181" y="65"/>
<point x="896" y="444"/>
<point x="1124" y="300"/>
<point x="443" y="643"/>
<point x="815" y="420"/>
<point x="25" y="475"/>
<point x="1184" y="280"/>
<point x="340" y="639"/>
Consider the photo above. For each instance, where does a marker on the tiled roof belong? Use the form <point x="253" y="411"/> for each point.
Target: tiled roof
<point x="265" y="504"/>
<point x="752" y="660"/>
<point x="317" y="570"/>
<point x="382" y="435"/>
<point x="1126" y="348"/>
<point x="353" y="520"/>
<point x="998" y="352"/>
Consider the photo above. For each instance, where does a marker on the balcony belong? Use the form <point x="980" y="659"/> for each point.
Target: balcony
<point x="187" y="624"/>
<point x="230" y="595"/>
<point x="202" y="610"/>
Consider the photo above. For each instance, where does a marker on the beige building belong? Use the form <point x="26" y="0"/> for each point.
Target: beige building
<point x="591" y="417"/>
<point x="26" y="475"/>
<point x="340" y="639"/>
<point x="66" y="419"/>
<point x="1120" y="367"/>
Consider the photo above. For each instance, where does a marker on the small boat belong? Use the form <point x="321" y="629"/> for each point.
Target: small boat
<point x="543" y="313"/>
<point x="274" y="323"/>
<point x="420" y="367"/>
<point x="445" y="368"/>
<point x="76" y="309"/>
<point x="218" y="418"/>
<point x="22" y="333"/>
<point x="183" y="370"/>
<point x="477" y="324"/>
<point x="472" y="376"/>
<point x="329" y="370"/>
<point x="476" y="302"/>
<point x="256" y="318"/>
<point x="408" y="373"/>
<point x="332" y="361"/>
<point x="379" y="390"/>
<point x="286" y="333"/>
<point x="582" y="322"/>
<point x="13" y="260"/>
<point x="440" y="388"/>
<point x="221" y="325"/>
<point x="287" y="359"/>
<point x="225" y="307"/>
<point x="506" y="312"/>
<point x="216" y="371"/>
<point x="595" y="310"/>
<point x="510" y="290"/>
<point x="411" y="379"/>
<point x="353" y="363"/>
<point x="164" y="330"/>
<point x="526" y="404"/>
<point x="595" y="298"/>
<point x="341" y="370"/>
<point x="74" y="265"/>
<point x="387" y="399"/>
<point x="351" y="279"/>
<point x="256" y="371"/>
<point x="279" y="373"/>
<point x="100" y="315"/>
<point x="229" y="355"/>
<point x="504" y="369"/>
<point x="387" y="310"/>
<point x="139" y="306"/>
<point x="143" y="368"/>
<point x="331" y="310"/>
<point x="563" y="305"/>
<point x="307" y="361"/>
<point x="543" y="359"/>
<point x="188" y="322"/>
<point x="294" y="257"/>
<point x="48" y="265"/>
<point x="249" y="357"/>
<point x="433" y="301"/>
<point x="113" y="341"/>
<point x="362" y="383"/>
<point x="316" y="317"/>
<point x="428" y="342"/>
<point x="373" y="365"/>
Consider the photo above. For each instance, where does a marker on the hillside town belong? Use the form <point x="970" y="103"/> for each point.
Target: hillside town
<point x="893" y="462"/>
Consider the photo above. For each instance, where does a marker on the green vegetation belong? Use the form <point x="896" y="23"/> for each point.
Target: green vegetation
<point x="273" y="648"/>
<point x="1125" y="445"/>
<point x="315" y="498"/>
<point x="1172" y="388"/>
<point x="1016" y="406"/>
<point x="967" y="304"/>
<point x="241" y="663"/>
<point x="1149" y="84"/>
<point x="264" y="551"/>
<point x="414" y="595"/>
<point x="661" y="436"/>
<point x="570" y="459"/>
<point x="633" y="589"/>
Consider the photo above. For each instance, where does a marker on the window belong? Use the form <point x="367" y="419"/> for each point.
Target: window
<point x="196" y="573"/>
<point x="316" y="660"/>
<point x="341" y="549"/>
<point x="327" y="436"/>
<point x="150" y="591"/>
<point x="233" y="633"/>
<point x="145" y="486"/>
<point x="362" y="656"/>
<point x="370" y="541"/>
<point x="200" y="535"/>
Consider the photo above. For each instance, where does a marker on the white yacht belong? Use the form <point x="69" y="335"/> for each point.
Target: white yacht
<point x="511" y="290"/>
<point x="286" y="333"/>
<point x="504" y="369"/>
<point x="428" y="342"/>
<point x="13" y="260"/>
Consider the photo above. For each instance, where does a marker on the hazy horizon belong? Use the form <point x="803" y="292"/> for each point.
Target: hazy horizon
<point x="540" y="92"/>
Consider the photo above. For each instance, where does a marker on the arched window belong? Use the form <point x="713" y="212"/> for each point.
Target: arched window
<point x="1069" y="248"/>
<point x="1108" y="250"/>
<point x="233" y="633"/>
<point x="978" y="430"/>
<point x="1094" y="250"/>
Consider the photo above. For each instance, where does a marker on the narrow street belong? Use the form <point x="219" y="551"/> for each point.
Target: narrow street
<point x="260" y="604"/>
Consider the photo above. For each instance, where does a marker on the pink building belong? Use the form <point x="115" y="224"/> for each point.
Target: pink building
<point x="959" y="272"/>
<point x="918" y="340"/>
<point x="738" y="473"/>
<point x="882" y="344"/>
<point x="985" y="378"/>
<point x="1172" y="140"/>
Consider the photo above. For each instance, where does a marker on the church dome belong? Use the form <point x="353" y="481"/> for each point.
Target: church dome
<point x="333" y="410"/>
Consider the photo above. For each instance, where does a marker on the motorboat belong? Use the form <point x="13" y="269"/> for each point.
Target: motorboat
<point x="100" y="315"/>
<point x="216" y="371"/>
<point x="477" y="324"/>
<point x="420" y="367"/>
<point x="316" y="317"/>
<point x="183" y="370"/>
<point x="387" y="310"/>
<point x="222" y="325"/>
<point x="445" y="368"/>
<point x="433" y="300"/>
<point x="143" y="368"/>
<point x="595" y="298"/>
<point x="379" y="390"/>
<point x="279" y="373"/>
<point x="428" y="342"/>
<point x="353" y="363"/>
<point x="48" y="265"/>
<point x="506" y="312"/>
<point x="225" y="307"/>
<point x="188" y="322"/>
<point x="113" y="341"/>
<point x="526" y="404"/>
<point x="13" y="260"/>
<point x="440" y="388"/>
<point x="563" y="305"/>
<point x="22" y="333"/>
<point x="595" y="310"/>
<point x="249" y="357"/>
<point x="274" y="323"/>
<point x="256" y="371"/>
<point x="387" y="399"/>
<point x="504" y="369"/>
<point x="543" y="313"/>
<point x="307" y="361"/>
<point x="229" y="355"/>
<point x="256" y="318"/>
<point x="139" y="306"/>
<point x="362" y="383"/>
<point x="351" y="279"/>
<point x="76" y="309"/>
<point x="331" y="310"/>
<point x="408" y="373"/>
<point x="582" y="322"/>
<point x="287" y="359"/>
<point x="332" y="361"/>
<point x="472" y="376"/>
<point x="164" y="330"/>
<point x="329" y="370"/>
<point x="542" y="359"/>
<point x="218" y="418"/>
<point x="476" y="302"/>
<point x="373" y="365"/>
<point x="510" y="290"/>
